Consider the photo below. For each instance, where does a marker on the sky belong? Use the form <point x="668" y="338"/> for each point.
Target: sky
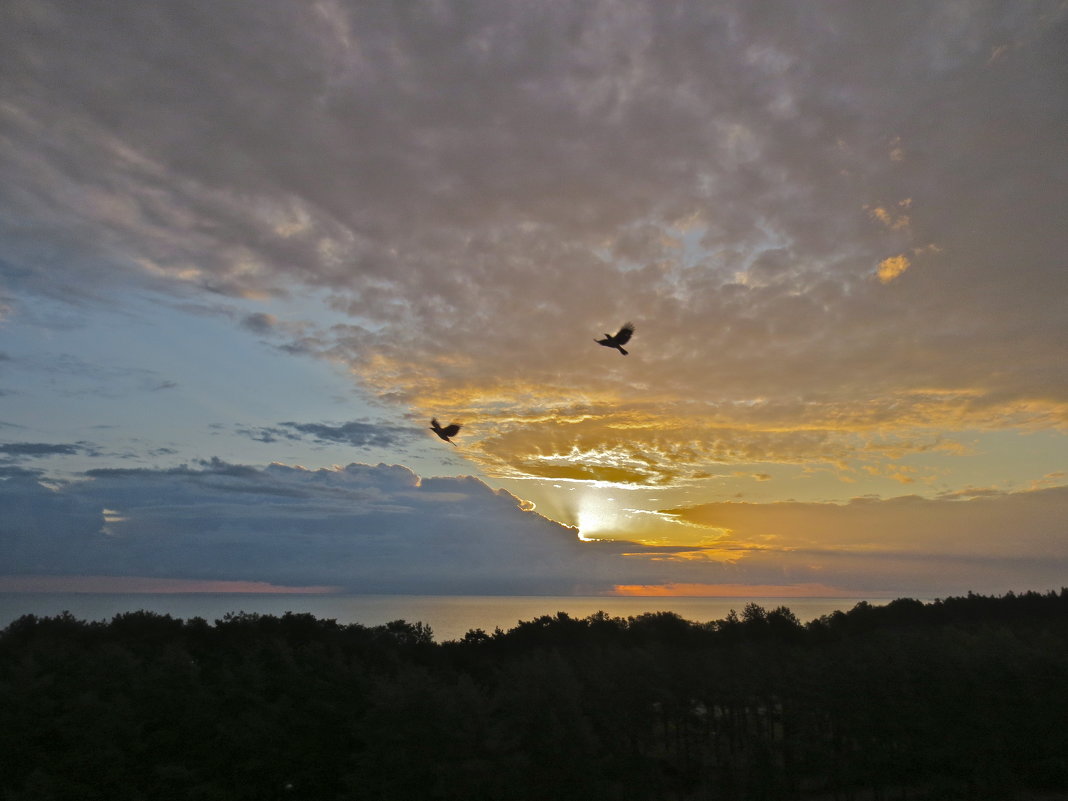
<point x="248" y="250"/>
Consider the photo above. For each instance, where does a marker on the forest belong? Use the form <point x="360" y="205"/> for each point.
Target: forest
<point x="961" y="698"/>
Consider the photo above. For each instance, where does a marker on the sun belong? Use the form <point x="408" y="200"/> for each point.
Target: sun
<point x="595" y="517"/>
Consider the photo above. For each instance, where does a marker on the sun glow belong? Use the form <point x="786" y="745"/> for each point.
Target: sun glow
<point x="605" y="512"/>
<point x="596" y="518"/>
<point x="591" y="523"/>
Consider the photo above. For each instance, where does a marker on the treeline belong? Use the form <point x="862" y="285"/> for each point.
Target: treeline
<point x="962" y="698"/>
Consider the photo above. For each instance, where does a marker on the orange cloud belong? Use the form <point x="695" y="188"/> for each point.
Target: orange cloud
<point x="811" y="590"/>
<point x="883" y="215"/>
<point x="983" y="526"/>
<point x="654" y="445"/>
<point x="892" y="268"/>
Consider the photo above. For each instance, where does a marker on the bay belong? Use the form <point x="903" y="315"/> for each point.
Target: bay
<point x="449" y="616"/>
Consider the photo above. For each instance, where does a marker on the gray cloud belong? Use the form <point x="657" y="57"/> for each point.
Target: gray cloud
<point x="368" y="528"/>
<point x="45" y="531"/>
<point x="267" y="325"/>
<point x="12" y="471"/>
<point x="267" y="434"/>
<point x="353" y="433"/>
<point x="260" y="323"/>
<point x="36" y="449"/>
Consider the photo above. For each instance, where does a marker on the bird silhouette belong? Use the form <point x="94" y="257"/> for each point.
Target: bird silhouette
<point x="621" y="338"/>
<point x="450" y="430"/>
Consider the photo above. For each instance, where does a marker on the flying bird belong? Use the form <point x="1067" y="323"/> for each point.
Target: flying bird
<point x="450" y="430"/>
<point x="621" y="338"/>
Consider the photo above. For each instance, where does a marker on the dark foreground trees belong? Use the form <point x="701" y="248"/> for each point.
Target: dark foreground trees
<point x="964" y="698"/>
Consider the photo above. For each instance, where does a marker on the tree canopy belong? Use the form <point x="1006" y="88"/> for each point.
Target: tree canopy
<point x="960" y="698"/>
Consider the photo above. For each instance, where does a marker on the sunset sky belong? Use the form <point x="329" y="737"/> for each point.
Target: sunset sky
<point x="249" y="249"/>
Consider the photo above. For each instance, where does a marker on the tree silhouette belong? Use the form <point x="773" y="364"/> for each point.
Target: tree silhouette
<point x="960" y="698"/>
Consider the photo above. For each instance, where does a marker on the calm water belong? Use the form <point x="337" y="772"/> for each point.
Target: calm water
<point x="450" y="616"/>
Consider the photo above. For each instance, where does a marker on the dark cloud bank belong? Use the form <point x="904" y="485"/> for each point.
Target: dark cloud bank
<point x="368" y="529"/>
<point x="383" y="529"/>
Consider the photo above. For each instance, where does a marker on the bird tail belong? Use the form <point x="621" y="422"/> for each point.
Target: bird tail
<point x="621" y="350"/>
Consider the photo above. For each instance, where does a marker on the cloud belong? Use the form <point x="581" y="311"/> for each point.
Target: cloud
<point x="353" y="433"/>
<point x="12" y="471"/>
<point x="37" y="449"/>
<point x="14" y="456"/>
<point x="265" y="325"/>
<point x="480" y="189"/>
<point x="266" y="434"/>
<point x="71" y="375"/>
<point x="366" y="528"/>
<point x="1008" y="540"/>
<point x="892" y="268"/>
<point x="383" y="529"/>
<point x="639" y="445"/>
<point x="260" y="322"/>
<point x="46" y="530"/>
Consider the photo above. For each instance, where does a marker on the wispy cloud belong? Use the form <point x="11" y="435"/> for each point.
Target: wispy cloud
<point x="71" y="375"/>
<point x="37" y="449"/>
<point x="354" y="433"/>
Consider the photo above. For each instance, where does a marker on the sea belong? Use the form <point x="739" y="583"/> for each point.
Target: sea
<point x="449" y="616"/>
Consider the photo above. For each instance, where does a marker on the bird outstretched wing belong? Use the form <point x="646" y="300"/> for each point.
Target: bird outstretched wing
<point x="451" y="430"/>
<point x="623" y="337"/>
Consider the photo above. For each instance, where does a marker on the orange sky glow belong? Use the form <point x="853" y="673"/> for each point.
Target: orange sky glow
<point x="733" y="591"/>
